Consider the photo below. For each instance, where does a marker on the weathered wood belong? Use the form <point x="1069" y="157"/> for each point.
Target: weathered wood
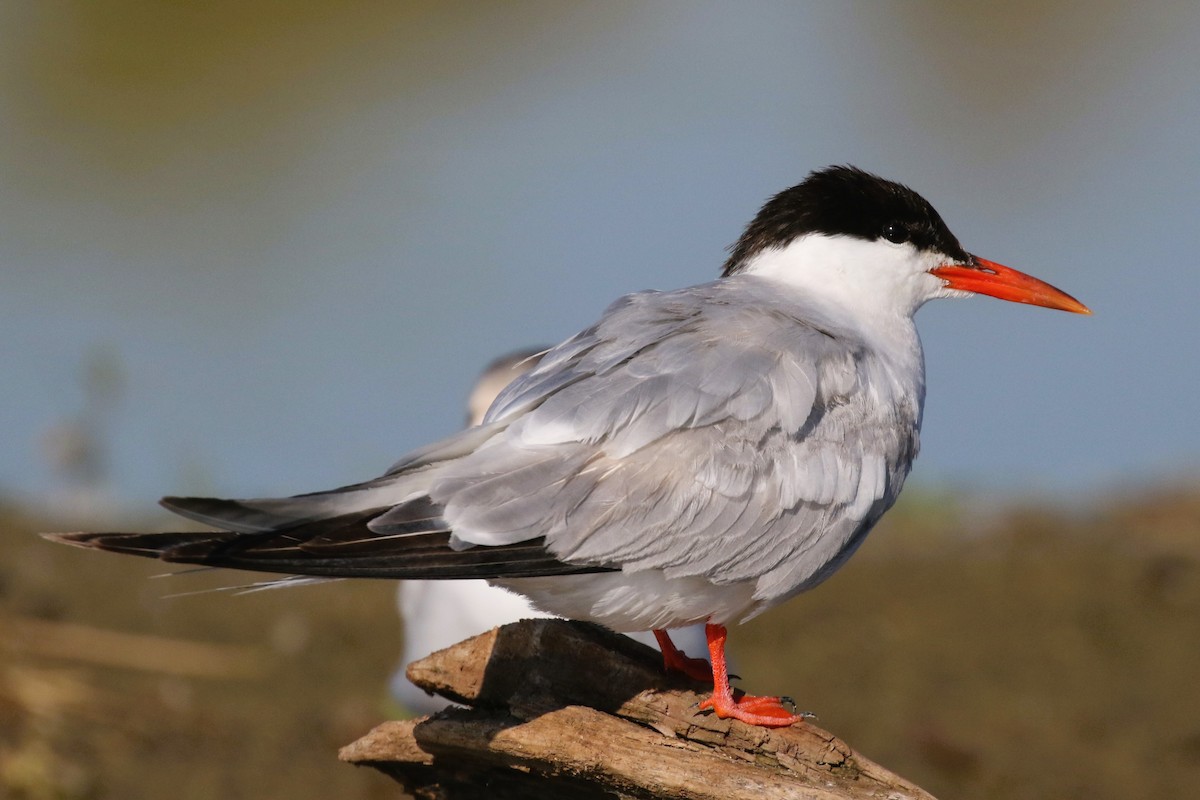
<point x="562" y="709"/>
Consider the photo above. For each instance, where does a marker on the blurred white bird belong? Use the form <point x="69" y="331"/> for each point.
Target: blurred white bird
<point x="697" y="455"/>
<point x="438" y="614"/>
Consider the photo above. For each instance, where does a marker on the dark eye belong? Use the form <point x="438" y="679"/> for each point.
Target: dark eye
<point x="895" y="233"/>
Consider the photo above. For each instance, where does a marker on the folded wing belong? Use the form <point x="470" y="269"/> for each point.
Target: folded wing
<point x="706" y="432"/>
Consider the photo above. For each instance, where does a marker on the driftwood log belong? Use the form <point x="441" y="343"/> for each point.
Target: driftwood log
<point x="558" y="709"/>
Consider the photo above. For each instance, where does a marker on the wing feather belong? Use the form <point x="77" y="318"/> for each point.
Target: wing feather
<point x="731" y="457"/>
<point x="715" y="432"/>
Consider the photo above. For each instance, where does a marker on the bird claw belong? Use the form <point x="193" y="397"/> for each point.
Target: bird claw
<point x="791" y="705"/>
<point x="769" y="712"/>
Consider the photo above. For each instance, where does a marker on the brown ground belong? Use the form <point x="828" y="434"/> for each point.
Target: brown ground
<point x="1031" y="654"/>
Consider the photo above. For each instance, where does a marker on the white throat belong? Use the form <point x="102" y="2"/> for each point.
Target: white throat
<point x="857" y="280"/>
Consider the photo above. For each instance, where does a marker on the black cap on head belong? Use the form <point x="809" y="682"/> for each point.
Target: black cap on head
<point x="845" y="201"/>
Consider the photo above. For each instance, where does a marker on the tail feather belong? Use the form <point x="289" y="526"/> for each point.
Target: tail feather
<point x="406" y="481"/>
<point x="264" y="515"/>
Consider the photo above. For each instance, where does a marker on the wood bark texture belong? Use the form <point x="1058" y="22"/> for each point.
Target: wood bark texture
<point x="558" y="709"/>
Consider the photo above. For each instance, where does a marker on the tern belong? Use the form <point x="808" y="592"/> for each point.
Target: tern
<point x="695" y="456"/>
<point x="438" y="614"/>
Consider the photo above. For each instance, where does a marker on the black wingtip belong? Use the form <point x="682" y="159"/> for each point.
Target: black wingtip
<point x="175" y="503"/>
<point x="113" y="542"/>
<point x="84" y="540"/>
<point x="148" y="545"/>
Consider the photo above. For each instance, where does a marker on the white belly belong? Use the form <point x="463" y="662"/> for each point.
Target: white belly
<point x="638" y="601"/>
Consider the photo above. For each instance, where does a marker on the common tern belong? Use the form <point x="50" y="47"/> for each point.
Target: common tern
<point x="694" y="456"/>
<point x="438" y="614"/>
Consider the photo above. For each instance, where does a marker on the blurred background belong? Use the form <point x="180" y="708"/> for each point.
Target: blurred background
<point x="262" y="248"/>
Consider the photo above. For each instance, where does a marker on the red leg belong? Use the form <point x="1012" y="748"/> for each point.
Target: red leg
<point x="768" y="712"/>
<point x="675" y="660"/>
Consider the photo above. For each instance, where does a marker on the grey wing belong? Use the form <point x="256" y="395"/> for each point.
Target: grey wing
<point x="384" y="526"/>
<point x="694" y="432"/>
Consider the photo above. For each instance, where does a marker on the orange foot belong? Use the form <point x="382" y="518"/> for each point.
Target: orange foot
<point x="675" y="660"/>
<point x="767" y="712"/>
<point x="727" y="703"/>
